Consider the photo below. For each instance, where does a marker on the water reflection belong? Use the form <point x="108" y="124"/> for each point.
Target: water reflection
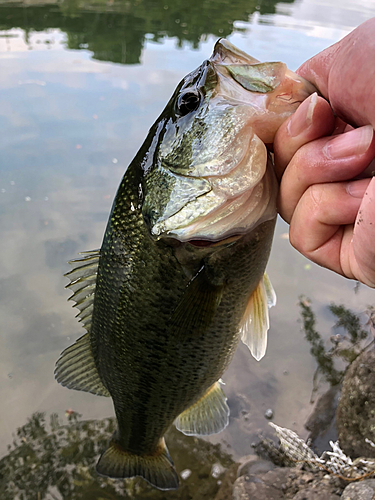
<point x="56" y="460"/>
<point x="116" y="31"/>
<point x="69" y="126"/>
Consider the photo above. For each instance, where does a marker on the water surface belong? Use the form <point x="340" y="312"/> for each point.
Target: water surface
<point x="80" y="85"/>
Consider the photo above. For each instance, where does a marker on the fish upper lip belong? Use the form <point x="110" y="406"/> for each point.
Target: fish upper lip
<point x="224" y="51"/>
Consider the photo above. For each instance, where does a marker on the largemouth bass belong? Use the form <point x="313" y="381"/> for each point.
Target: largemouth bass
<point x="180" y="276"/>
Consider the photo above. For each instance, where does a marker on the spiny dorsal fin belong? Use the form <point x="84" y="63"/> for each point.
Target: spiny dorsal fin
<point x="82" y="284"/>
<point x="209" y="415"/>
<point x="156" y="468"/>
<point x="255" y="322"/>
<point x="75" y="369"/>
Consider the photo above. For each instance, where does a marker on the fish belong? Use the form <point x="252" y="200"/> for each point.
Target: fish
<point x="180" y="276"/>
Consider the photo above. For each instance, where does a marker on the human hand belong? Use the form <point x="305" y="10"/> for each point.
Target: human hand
<point x="320" y="158"/>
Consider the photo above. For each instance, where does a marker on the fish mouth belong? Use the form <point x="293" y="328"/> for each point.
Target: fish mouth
<point x="233" y="218"/>
<point x="238" y="201"/>
<point x="226" y="53"/>
<point x="228" y="218"/>
<point x="236" y="189"/>
<point x="212" y="244"/>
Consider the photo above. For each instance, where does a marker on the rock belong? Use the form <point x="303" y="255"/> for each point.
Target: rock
<point x="307" y="477"/>
<point x="226" y="487"/>
<point x="323" y="414"/>
<point x="355" y="416"/>
<point x="365" y="490"/>
<point x="311" y="486"/>
<point x="319" y="492"/>
<point x="278" y="477"/>
<point x="245" y="462"/>
<point x="254" y="467"/>
<point x="286" y="483"/>
<point x="251" y="488"/>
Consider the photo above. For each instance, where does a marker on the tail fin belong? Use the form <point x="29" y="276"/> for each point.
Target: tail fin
<point x="156" y="468"/>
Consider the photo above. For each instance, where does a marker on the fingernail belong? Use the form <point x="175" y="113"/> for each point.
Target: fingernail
<point x="357" y="189"/>
<point x="302" y="118"/>
<point x="355" y="142"/>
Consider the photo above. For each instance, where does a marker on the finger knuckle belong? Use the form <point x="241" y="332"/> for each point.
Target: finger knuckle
<point x="315" y="192"/>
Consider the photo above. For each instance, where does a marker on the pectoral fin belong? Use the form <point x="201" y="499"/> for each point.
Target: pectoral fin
<point x="197" y="306"/>
<point x="209" y="415"/>
<point x="255" y="321"/>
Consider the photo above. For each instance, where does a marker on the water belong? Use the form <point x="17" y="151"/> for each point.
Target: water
<point x="80" y="84"/>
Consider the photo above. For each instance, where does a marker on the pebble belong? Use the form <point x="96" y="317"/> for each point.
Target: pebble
<point x="268" y="413"/>
<point x="217" y="470"/>
<point x="185" y="474"/>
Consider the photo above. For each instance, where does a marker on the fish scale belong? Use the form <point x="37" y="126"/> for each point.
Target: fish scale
<point x="180" y="276"/>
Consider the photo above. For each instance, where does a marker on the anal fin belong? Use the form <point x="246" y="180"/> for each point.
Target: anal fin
<point x="75" y="369"/>
<point x="156" y="468"/>
<point x="209" y="415"/>
<point x="255" y="322"/>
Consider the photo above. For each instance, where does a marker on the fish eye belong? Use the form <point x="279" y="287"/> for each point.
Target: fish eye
<point x="187" y="102"/>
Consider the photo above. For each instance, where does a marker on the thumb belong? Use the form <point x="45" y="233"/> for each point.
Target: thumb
<point x="344" y="73"/>
<point x="317" y="69"/>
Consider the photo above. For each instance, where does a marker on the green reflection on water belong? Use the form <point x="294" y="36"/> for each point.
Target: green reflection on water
<point x="58" y="461"/>
<point x="116" y="31"/>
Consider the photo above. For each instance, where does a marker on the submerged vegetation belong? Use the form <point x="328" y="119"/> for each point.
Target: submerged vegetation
<point x="55" y="460"/>
<point x="350" y="339"/>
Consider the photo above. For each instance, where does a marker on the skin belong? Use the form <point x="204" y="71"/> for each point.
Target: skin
<point x="325" y="160"/>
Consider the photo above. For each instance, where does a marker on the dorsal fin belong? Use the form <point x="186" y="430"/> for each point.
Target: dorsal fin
<point x="76" y="368"/>
<point x="255" y="322"/>
<point x="82" y="284"/>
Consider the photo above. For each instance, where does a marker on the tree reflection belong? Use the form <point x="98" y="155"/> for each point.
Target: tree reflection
<point x="116" y="30"/>
<point x="57" y="461"/>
